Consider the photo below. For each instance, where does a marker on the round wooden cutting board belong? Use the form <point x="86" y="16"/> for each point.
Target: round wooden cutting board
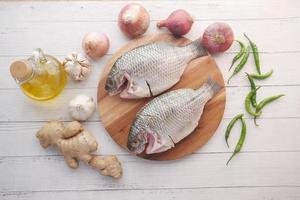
<point x="118" y="114"/>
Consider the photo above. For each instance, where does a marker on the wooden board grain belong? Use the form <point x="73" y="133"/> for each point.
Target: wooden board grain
<point x="118" y="114"/>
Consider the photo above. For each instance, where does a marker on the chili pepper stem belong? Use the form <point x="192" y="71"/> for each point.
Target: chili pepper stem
<point x="234" y="153"/>
<point x="230" y="67"/>
<point x="227" y="144"/>
<point x="255" y="121"/>
<point x="230" y="78"/>
<point x="247" y="37"/>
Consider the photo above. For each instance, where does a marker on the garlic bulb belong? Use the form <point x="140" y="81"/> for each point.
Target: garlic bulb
<point x="77" y="66"/>
<point x="81" y="107"/>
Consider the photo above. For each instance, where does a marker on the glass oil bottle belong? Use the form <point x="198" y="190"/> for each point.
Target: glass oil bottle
<point x="40" y="77"/>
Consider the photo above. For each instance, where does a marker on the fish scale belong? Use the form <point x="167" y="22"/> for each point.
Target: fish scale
<point x="150" y="68"/>
<point x="170" y="117"/>
<point x="175" y="113"/>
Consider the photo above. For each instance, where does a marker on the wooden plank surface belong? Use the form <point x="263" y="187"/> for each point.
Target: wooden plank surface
<point x="245" y="193"/>
<point x="204" y="10"/>
<point x="268" y="167"/>
<point x="284" y="28"/>
<point x="266" y="138"/>
<point x="35" y="173"/>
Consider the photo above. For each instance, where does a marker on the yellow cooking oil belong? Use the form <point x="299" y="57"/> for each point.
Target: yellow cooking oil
<point x="44" y="77"/>
<point x="48" y="83"/>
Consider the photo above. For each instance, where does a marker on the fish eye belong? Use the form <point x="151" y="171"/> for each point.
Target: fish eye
<point x="135" y="143"/>
<point x="139" y="137"/>
<point x="110" y="81"/>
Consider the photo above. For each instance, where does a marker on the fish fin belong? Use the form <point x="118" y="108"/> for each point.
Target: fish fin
<point x="157" y="144"/>
<point x="149" y="87"/>
<point x="137" y="88"/>
<point x="197" y="49"/>
<point x="172" y="140"/>
<point x="213" y="85"/>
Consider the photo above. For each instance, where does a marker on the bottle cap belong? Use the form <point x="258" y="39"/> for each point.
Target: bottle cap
<point x="21" y="70"/>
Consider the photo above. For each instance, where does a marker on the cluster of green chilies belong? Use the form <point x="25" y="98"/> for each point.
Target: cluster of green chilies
<point x="251" y="105"/>
<point x="244" y="53"/>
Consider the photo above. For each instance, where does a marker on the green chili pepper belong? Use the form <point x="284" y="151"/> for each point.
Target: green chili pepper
<point x="240" y="54"/>
<point x="248" y="103"/>
<point x="267" y="100"/>
<point x="262" y="76"/>
<point x="264" y="102"/>
<point x="253" y="87"/>
<point x="242" y="63"/>
<point x="240" y="143"/>
<point x="230" y="126"/>
<point x="255" y="53"/>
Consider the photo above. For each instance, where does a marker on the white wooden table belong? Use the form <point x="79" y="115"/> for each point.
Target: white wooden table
<point x="267" y="168"/>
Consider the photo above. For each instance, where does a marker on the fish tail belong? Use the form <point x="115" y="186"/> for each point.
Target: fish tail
<point x="213" y="85"/>
<point x="197" y="49"/>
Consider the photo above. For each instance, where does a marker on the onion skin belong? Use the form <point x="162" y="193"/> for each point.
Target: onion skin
<point x="133" y="20"/>
<point x="95" y="45"/>
<point x="217" y="37"/>
<point x="179" y="22"/>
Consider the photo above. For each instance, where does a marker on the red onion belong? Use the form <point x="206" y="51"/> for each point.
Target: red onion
<point x="133" y="20"/>
<point x="179" y="22"/>
<point x="217" y="37"/>
<point x="95" y="45"/>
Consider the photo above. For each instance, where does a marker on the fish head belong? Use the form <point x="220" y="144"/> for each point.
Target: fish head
<point x="116" y="81"/>
<point x="137" y="140"/>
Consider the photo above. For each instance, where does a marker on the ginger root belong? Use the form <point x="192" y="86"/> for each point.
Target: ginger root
<point x="107" y="165"/>
<point x="73" y="141"/>
<point x="77" y="144"/>
<point x="50" y="133"/>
